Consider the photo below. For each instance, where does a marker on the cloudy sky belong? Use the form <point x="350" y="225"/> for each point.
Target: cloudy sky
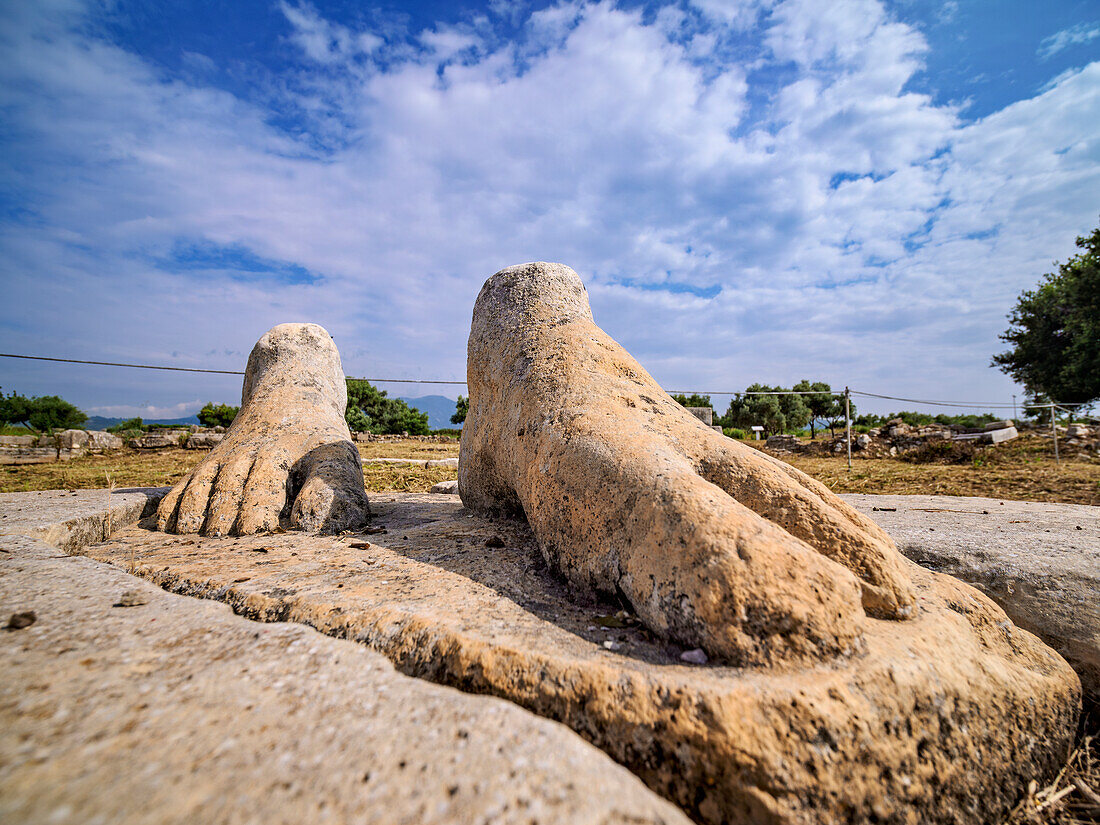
<point x="851" y="191"/>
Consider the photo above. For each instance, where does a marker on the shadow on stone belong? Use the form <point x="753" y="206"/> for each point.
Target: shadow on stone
<point x="448" y="536"/>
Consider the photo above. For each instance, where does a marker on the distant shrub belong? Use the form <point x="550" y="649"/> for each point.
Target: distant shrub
<point x="369" y="410"/>
<point x="130" y="425"/>
<point x="693" y="400"/>
<point x="462" y="409"/>
<point x="942" y="452"/>
<point x="916" y="419"/>
<point x="449" y="431"/>
<point x="217" y="415"/>
<point x="735" y="432"/>
<point x="43" y="414"/>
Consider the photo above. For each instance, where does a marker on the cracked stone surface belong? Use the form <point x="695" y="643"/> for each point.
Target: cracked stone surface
<point x="173" y="710"/>
<point x="942" y="718"/>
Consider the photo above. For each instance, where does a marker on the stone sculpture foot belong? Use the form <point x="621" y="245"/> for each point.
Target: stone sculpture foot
<point x="713" y="543"/>
<point x="288" y="459"/>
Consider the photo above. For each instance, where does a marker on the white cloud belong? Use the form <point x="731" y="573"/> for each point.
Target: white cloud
<point x="446" y="42"/>
<point x="149" y="412"/>
<point x="322" y="40"/>
<point x="737" y="14"/>
<point x="852" y="229"/>
<point x="1074" y="36"/>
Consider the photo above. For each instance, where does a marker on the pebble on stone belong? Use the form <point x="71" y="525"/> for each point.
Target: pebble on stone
<point x="694" y="657"/>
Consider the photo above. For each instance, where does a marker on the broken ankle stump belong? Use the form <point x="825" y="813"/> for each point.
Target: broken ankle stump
<point x="287" y="460"/>
<point x="853" y="683"/>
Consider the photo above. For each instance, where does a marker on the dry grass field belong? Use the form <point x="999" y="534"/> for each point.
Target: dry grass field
<point x="1022" y="470"/>
<point x="161" y="468"/>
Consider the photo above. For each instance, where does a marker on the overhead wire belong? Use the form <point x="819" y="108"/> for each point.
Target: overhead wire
<point x="961" y="404"/>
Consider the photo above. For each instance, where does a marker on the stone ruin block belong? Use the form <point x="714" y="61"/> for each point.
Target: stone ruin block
<point x="999" y="435"/>
<point x="704" y="414"/>
<point x="204" y="440"/>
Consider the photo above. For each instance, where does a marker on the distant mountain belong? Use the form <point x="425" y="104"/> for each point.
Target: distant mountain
<point x="98" y="422"/>
<point x="439" y="410"/>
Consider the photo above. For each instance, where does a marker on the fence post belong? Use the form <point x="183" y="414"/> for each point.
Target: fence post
<point x="1054" y="432"/>
<point x="848" y="422"/>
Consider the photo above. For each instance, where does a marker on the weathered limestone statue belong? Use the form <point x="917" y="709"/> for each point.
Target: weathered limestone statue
<point x="846" y="683"/>
<point x="715" y="544"/>
<point x="862" y="687"/>
<point x="288" y="459"/>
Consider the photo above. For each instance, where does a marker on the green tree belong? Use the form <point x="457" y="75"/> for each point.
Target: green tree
<point x="1054" y="331"/>
<point x="795" y="411"/>
<point x="44" y="413"/>
<point x="379" y="414"/>
<point x="835" y="418"/>
<point x="693" y="400"/>
<point x="462" y="409"/>
<point x="14" y="409"/>
<point x="824" y="405"/>
<point x="747" y="411"/>
<point x="217" y="415"/>
<point x="775" y="413"/>
<point x="131" y="427"/>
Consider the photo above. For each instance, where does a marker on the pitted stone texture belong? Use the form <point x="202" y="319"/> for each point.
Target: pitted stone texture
<point x="288" y="459"/>
<point x="714" y="544"/>
<point x="72" y="519"/>
<point x="1038" y="561"/>
<point x="943" y="718"/>
<point x="176" y="711"/>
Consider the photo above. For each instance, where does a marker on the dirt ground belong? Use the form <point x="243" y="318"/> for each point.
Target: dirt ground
<point x="1022" y="470"/>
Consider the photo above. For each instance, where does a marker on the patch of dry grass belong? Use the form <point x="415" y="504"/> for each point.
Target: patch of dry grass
<point x="409" y="448"/>
<point x="1073" y="798"/>
<point x="162" y="468"/>
<point x="1070" y="483"/>
<point x="127" y="468"/>
<point x="406" y="478"/>
<point x="1022" y="470"/>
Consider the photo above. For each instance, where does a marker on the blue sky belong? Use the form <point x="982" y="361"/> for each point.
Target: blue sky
<point x="754" y="190"/>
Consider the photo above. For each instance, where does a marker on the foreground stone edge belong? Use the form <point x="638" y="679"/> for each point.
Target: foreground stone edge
<point x="421" y="661"/>
<point x="174" y="710"/>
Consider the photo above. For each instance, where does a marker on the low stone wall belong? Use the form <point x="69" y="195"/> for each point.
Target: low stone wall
<point x="62" y="446"/>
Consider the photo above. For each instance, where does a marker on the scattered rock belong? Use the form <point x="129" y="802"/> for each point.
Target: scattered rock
<point x="494" y="541"/>
<point x="694" y="657"/>
<point x="18" y="621"/>
<point x="160" y="439"/>
<point x="204" y="440"/>
<point x="446" y="487"/>
<point x="783" y="442"/>
<point x="999" y="435"/>
<point x="704" y="414"/>
<point x="131" y="598"/>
